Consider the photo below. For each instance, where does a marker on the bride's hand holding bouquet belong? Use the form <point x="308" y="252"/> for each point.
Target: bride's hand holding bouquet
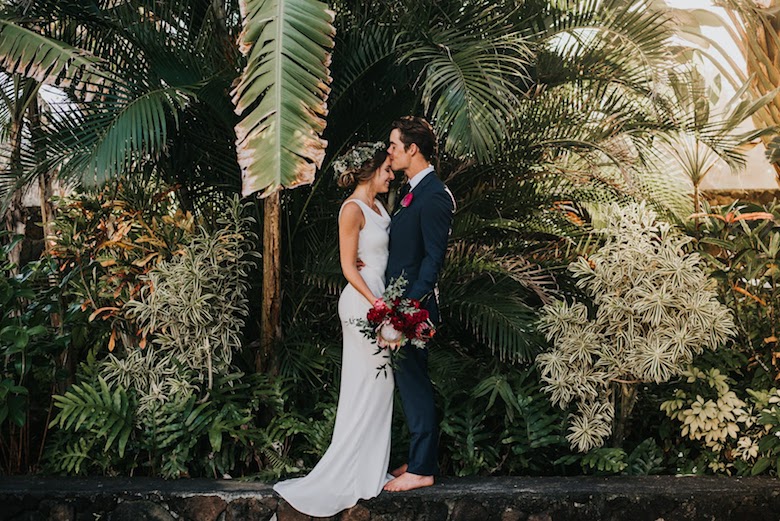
<point x="393" y="320"/>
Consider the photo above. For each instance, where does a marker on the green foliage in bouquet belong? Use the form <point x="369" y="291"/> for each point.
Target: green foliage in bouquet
<point x="654" y="309"/>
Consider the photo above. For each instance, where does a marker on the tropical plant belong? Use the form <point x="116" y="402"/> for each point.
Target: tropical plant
<point x="711" y="413"/>
<point x="707" y="139"/>
<point x="141" y="96"/>
<point x="654" y="309"/>
<point x="31" y="350"/>
<point x="19" y="113"/>
<point x="104" y="241"/>
<point x="742" y="244"/>
<point x="753" y="28"/>
<point x="165" y="397"/>
<point x="192" y="308"/>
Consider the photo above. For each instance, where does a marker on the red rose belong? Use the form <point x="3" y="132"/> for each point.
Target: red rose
<point x="376" y="315"/>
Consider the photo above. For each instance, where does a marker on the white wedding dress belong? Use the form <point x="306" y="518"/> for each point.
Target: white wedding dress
<point x="355" y="465"/>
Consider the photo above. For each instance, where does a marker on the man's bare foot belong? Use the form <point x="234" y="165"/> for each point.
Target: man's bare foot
<point x="400" y="470"/>
<point x="408" y="481"/>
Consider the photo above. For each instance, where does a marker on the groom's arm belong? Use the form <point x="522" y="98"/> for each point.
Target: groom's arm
<point x="436" y="221"/>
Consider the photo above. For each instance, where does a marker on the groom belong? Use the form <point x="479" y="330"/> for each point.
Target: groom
<point x="419" y="231"/>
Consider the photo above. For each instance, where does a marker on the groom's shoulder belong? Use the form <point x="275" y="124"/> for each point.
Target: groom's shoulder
<point x="437" y="189"/>
<point x="434" y="183"/>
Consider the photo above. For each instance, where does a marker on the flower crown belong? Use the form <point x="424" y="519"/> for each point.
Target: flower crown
<point x="356" y="156"/>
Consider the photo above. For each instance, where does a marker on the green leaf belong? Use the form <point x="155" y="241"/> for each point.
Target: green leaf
<point x="6" y="293"/>
<point x="728" y="245"/>
<point x="36" y="330"/>
<point x="278" y="140"/>
<point x="29" y="53"/>
<point x="215" y="437"/>
<point x="611" y="460"/>
<point x="761" y="465"/>
<point x="16" y="336"/>
<point x="108" y="415"/>
<point x="17" y="410"/>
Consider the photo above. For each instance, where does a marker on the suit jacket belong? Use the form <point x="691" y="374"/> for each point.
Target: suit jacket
<point x="418" y="241"/>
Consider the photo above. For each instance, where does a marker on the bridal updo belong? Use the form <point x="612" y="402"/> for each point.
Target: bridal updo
<point x="359" y="164"/>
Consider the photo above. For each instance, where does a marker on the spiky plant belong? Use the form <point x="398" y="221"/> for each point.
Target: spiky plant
<point x="653" y="309"/>
<point x="192" y="310"/>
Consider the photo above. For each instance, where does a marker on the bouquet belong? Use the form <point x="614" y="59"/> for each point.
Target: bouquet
<point x="393" y="321"/>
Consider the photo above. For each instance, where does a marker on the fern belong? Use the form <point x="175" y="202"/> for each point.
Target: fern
<point x="472" y="450"/>
<point x="538" y="426"/>
<point x="105" y="413"/>
<point x="647" y="458"/>
<point x="609" y="460"/>
<point x="498" y="386"/>
<point x="496" y="317"/>
<point x="75" y="455"/>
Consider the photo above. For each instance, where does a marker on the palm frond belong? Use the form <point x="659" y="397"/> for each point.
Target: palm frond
<point x="278" y="140"/>
<point x="105" y="141"/>
<point x="30" y="54"/>
<point x="471" y="72"/>
<point x="359" y="52"/>
<point x="496" y="314"/>
<point x="624" y="42"/>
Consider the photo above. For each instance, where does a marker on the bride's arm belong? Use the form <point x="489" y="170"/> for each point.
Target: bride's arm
<point x="350" y="223"/>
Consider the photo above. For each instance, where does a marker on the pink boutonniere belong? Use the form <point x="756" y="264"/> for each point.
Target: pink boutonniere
<point x="407" y="200"/>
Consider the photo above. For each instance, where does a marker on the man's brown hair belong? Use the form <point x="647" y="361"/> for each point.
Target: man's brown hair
<point x="418" y="131"/>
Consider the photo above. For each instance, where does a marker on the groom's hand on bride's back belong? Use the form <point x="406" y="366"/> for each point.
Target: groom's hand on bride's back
<point x="359" y="264"/>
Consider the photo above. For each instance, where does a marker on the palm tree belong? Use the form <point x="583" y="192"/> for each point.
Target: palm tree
<point x="18" y="101"/>
<point x="536" y="104"/>
<point x="754" y="29"/>
<point x="707" y="139"/>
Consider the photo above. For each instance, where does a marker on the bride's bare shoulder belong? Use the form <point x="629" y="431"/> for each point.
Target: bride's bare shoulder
<point x="351" y="214"/>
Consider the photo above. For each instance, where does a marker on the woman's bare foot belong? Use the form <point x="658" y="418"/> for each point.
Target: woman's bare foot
<point x="408" y="481"/>
<point x="400" y="470"/>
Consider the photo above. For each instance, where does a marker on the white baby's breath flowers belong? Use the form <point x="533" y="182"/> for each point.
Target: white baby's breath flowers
<point x="655" y="309"/>
<point x="356" y="156"/>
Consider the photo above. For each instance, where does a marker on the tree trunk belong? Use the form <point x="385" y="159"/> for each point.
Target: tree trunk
<point x="45" y="179"/>
<point x="14" y="217"/>
<point x="624" y="404"/>
<point x="271" y="315"/>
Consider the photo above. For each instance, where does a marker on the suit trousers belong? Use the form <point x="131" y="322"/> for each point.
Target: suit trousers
<point x="414" y="385"/>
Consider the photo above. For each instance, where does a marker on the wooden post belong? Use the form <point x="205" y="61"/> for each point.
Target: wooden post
<point x="271" y="315"/>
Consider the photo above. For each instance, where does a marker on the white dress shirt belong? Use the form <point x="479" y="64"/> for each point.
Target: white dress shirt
<point x="414" y="181"/>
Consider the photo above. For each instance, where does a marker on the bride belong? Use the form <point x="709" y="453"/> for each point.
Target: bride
<point x="355" y="465"/>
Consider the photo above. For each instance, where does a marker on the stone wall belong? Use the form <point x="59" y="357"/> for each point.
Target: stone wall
<point x="662" y="498"/>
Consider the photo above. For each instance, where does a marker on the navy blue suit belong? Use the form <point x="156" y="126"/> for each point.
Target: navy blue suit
<point x="418" y="242"/>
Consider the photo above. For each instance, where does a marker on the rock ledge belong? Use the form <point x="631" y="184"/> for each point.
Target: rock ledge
<point x="657" y="498"/>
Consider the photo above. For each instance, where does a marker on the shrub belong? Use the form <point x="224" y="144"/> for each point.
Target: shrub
<point x="176" y="400"/>
<point x="653" y="309"/>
